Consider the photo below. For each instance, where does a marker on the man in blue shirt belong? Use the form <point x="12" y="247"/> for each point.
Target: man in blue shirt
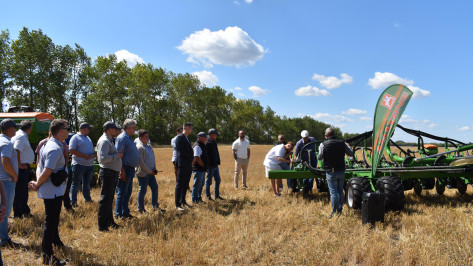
<point x="8" y="175"/>
<point x="83" y="155"/>
<point x="307" y="153"/>
<point x="51" y="161"/>
<point x="127" y="146"/>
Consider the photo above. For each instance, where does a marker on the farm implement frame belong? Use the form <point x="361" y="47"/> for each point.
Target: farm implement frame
<point x="389" y="172"/>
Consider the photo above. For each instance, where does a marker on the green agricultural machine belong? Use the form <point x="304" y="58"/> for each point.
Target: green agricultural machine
<point x="375" y="167"/>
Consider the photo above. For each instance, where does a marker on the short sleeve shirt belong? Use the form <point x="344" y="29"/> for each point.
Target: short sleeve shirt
<point x="84" y="145"/>
<point x="241" y="148"/>
<point x="125" y="144"/>
<point x="51" y="157"/>
<point x="272" y="156"/>
<point x="21" y="143"/>
<point x="197" y="151"/>
<point x="7" y="150"/>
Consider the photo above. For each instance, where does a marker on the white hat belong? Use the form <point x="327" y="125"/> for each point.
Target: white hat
<point x="304" y="133"/>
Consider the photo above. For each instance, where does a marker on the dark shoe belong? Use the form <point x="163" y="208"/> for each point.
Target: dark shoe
<point x="103" y="229"/>
<point x="52" y="260"/>
<point x="219" y="198"/>
<point x="59" y="244"/>
<point x="70" y="210"/>
<point x="201" y="201"/>
<point x="162" y="211"/>
<point x="210" y="199"/>
<point x="142" y="211"/>
<point x="115" y="226"/>
<point x="129" y="216"/>
<point x="11" y="244"/>
<point x="185" y="204"/>
<point x="74" y="204"/>
<point x="245" y="187"/>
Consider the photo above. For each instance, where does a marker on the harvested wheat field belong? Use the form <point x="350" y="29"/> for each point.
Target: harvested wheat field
<point x="253" y="227"/>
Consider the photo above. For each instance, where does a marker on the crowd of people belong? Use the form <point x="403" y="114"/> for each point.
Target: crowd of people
<point x="121" y="159"/>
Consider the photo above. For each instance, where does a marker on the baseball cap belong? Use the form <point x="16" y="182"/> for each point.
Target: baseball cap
<point x="110" y="124"/>
<point x="8" y="123"/>
<point x="304" y="133"/>
<point x="213" y="131"/>
<point x="201" y="134"/>
<point x="85" y="125"/>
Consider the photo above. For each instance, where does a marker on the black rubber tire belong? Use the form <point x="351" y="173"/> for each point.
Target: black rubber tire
<point x="428" y="183"/>
<point x="407" y="183"/>
<point x="461" y="186"/>
<point x="355" y="188"/>
<point x="393" y="191"/>
<point x="439" y="188"/>
<point x="418" y="188"/>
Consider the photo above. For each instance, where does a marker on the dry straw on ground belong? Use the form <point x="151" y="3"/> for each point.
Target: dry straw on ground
<point x="253" y="227"/>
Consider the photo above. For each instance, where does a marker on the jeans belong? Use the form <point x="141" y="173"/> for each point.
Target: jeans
<point x="20" y="203"/>
<point x="335" y="181"/>
<point x="52" y="209"/>
<point x="213" y="172"/>
<point x="148" y="180"/>
<point x="109" y="183"/>
<point x="124" y="189"/>
<point x="309" y="182"/>
<point x="84" y="173"/>
<point x="66" y="199"/>
<point x="10" y="195"/>
<point x="199" y="178"/>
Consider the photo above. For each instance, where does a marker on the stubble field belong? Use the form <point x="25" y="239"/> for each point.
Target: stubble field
<point x="254" y="227"/>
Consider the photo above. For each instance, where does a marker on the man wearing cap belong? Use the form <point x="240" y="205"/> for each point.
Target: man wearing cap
<point x="52" y="162"/>
<point x="241" y="153"/>
<point x="83" y="156"/>
<point x="307" y="153"/>
<point x="130" y="159"/>
<point x="185" y="157"/>
<point x="214" y="162"/>
<point x="110" y="166"/>
<point x="8" y="175"/>
<point x="25" y="156"/>
<point x="173" y="144"/>
<point x="201" y="164"/>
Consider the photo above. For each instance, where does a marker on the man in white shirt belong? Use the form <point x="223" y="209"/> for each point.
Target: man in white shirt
<point x="25" y="156"/>
<point x="241" y="153"/>
<point x="272" y="161"/>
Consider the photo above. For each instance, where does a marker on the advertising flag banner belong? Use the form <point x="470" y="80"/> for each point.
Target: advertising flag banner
<point x="391" y="104"/>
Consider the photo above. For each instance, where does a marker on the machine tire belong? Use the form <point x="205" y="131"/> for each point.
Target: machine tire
<point x="418" y="188"/>
<point x="392" y="188"/>
<point x="461" y="186"/>
<point x="428" y="183"/>
<point x="439" y="188"/>
<point x="407" y="183"/>
<point x="355" y="188"/>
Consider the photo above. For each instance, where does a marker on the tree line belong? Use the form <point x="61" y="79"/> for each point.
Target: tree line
<point x="66" y="82"/>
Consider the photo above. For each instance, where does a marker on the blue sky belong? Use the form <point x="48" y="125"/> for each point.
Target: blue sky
<point x="327" y="59"/>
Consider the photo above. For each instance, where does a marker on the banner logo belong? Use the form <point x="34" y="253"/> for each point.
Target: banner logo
<point x="388" y="101"/>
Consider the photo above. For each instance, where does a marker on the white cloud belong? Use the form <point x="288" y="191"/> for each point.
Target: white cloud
<point x="353" y="111"/>
<point x="311" y="91"/>
<point x="330" y="117"/>
<point x="418" y="92"/>
<point x="465" y="128"/>
<point x="383" y="80"/>
<point x="207" y="78"/>
<point x="130" y="58"/>
<point x="366" y="118"/>
<point x="257" y="91"/>
<point x="238" y="88"/>
<point x="249" y="1"/>
<point x="236" y="3"/>
<point x="231" y="47"/>
<point x="332" y="82"/>
<point x="410" y="122"/>
<point x="241" y="94"/>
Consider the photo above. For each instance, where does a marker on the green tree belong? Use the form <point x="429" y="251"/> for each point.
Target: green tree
<point x="31" y="68"/>
<point x="5" y="64"/>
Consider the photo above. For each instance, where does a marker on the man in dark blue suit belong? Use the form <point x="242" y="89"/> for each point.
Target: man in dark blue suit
<point x="185" y="157"/>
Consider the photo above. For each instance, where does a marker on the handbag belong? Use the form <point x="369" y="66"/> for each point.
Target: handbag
<point x="59" y="177"/>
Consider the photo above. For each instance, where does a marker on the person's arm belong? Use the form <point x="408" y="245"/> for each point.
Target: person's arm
<point x="102" y="153"/>
<point x="80" y="154"/>
<point x="6" y="162"/>
<point x="34" y="185"/>
<point x="321" y="152"/>
<point x="20" y="165"/>
<point x="3" y="206"/>
<point x="248" y="153"/>
<point x="348" y="150"/>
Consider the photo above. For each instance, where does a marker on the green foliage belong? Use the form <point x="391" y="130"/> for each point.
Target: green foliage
<point x="62" y="80"/>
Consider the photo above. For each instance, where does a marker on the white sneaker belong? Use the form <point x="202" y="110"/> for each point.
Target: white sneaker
<point x="180" y="209"/>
